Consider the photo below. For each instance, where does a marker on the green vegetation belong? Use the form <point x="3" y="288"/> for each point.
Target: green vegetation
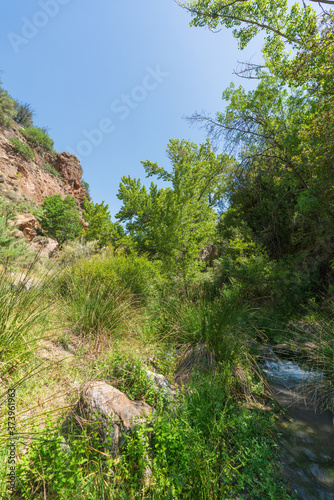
<point x="60" y="218"/>
<point x="172" y="224"/>
<point x="38" y="139"/>
<point x="24" y="114"/>
<point x="86" y="186"/>
<point x="100" y="227"/>
<point x="96" y="308"/>
<point x="51" y="170"/>
<point x="22" y="148"/>
<point x="12" y="250"/>
<point x="7" y="108"/>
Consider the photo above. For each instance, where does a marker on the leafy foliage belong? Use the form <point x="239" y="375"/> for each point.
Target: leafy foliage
<point x="38" y="139"/>
<point x="173" y="223"/>
<point x="60" y="218"/>
<point x="51" y="170"/>
<point x="100" y="228"/>
<point x="7" y="108"/>
<point x="22" y="148"/>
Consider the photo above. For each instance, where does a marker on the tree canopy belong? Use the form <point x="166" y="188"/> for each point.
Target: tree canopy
<point x="175" y="222"/>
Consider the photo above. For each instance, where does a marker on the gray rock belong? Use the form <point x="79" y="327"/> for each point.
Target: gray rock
<point x="160" y="383"/>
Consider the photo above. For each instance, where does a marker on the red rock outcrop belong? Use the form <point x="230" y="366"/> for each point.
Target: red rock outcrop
<point x="22" y="178"/>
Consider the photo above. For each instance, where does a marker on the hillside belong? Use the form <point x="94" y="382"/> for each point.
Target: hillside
<point x="23" y="178"/>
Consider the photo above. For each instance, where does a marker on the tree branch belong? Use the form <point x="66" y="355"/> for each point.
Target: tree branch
<point x="242" y="20"/>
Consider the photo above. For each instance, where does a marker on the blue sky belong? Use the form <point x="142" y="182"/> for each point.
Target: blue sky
<point x="112" y="79"/>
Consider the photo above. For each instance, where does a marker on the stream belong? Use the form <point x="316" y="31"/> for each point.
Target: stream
<point x="307" y="449"/>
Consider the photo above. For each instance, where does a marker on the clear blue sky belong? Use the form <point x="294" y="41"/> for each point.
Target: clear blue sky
<point x="130" y="68"/>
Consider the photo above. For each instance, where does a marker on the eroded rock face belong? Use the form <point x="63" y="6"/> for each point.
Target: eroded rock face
<point x="109" y="411"/>
<point x="23" y="178"/>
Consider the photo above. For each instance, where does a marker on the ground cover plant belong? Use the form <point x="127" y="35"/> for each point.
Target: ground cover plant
<point x="22" y="148"/>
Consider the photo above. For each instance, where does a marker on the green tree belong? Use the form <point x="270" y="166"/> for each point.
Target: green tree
<point x="24" y="114"/>
<point x="7" y="107"/>
<point x="280" y="23"/>
<point x="100" y="227"/>
<point x="60" y="218"/>
<point x="173" y="224"/>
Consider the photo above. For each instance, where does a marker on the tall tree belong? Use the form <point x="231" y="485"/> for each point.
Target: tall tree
<point x="174" y="223"/>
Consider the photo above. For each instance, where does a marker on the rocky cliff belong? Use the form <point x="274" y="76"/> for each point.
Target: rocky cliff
<point x="22" y="178"/>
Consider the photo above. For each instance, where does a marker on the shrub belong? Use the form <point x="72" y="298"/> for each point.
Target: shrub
<point x="7" y="108"/>
<point x="136" y="273"/>
<point x="61" y="219"/>
<point x="51" y="170"/>
<point x="85" y="186"/>
<point x="220" y="325"/>
<point x="22" y="148"/>
<point x="38" y="139"/>
<point x="49" y="469"/>
<point x="100" y="228"/>
<point x="24" y="114"/>
<point x="11" y="249"/>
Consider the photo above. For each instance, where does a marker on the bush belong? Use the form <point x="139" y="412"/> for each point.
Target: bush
<point x="49" y="469"/>
<point x="246" y="268"/>
<point x="61" y="219"/>
<point x="51" y="170"/>
<point x="38" y="139"/>
<point x="24" y="114"/>
<point x="74" y="251"/>
<point x="220" y="325"/>
<point x="85" y="186"/>
<point x="22" y="148"/>
<point x="7" y="108"/>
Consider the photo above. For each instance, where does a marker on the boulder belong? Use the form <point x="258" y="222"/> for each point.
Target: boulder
<point x="108" y="411"/>
<point x="28" y="224"/>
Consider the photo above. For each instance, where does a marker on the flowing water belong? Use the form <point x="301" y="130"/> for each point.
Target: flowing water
<point x="307" y="450"/>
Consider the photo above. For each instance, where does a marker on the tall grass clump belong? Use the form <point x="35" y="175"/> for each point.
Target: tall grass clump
<point x="142" y="277"/>
<point x="96" y="307"/>
<point x="25" y="305"/>
<point x="221" y="325"/>
<point x="315" y="341"/>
